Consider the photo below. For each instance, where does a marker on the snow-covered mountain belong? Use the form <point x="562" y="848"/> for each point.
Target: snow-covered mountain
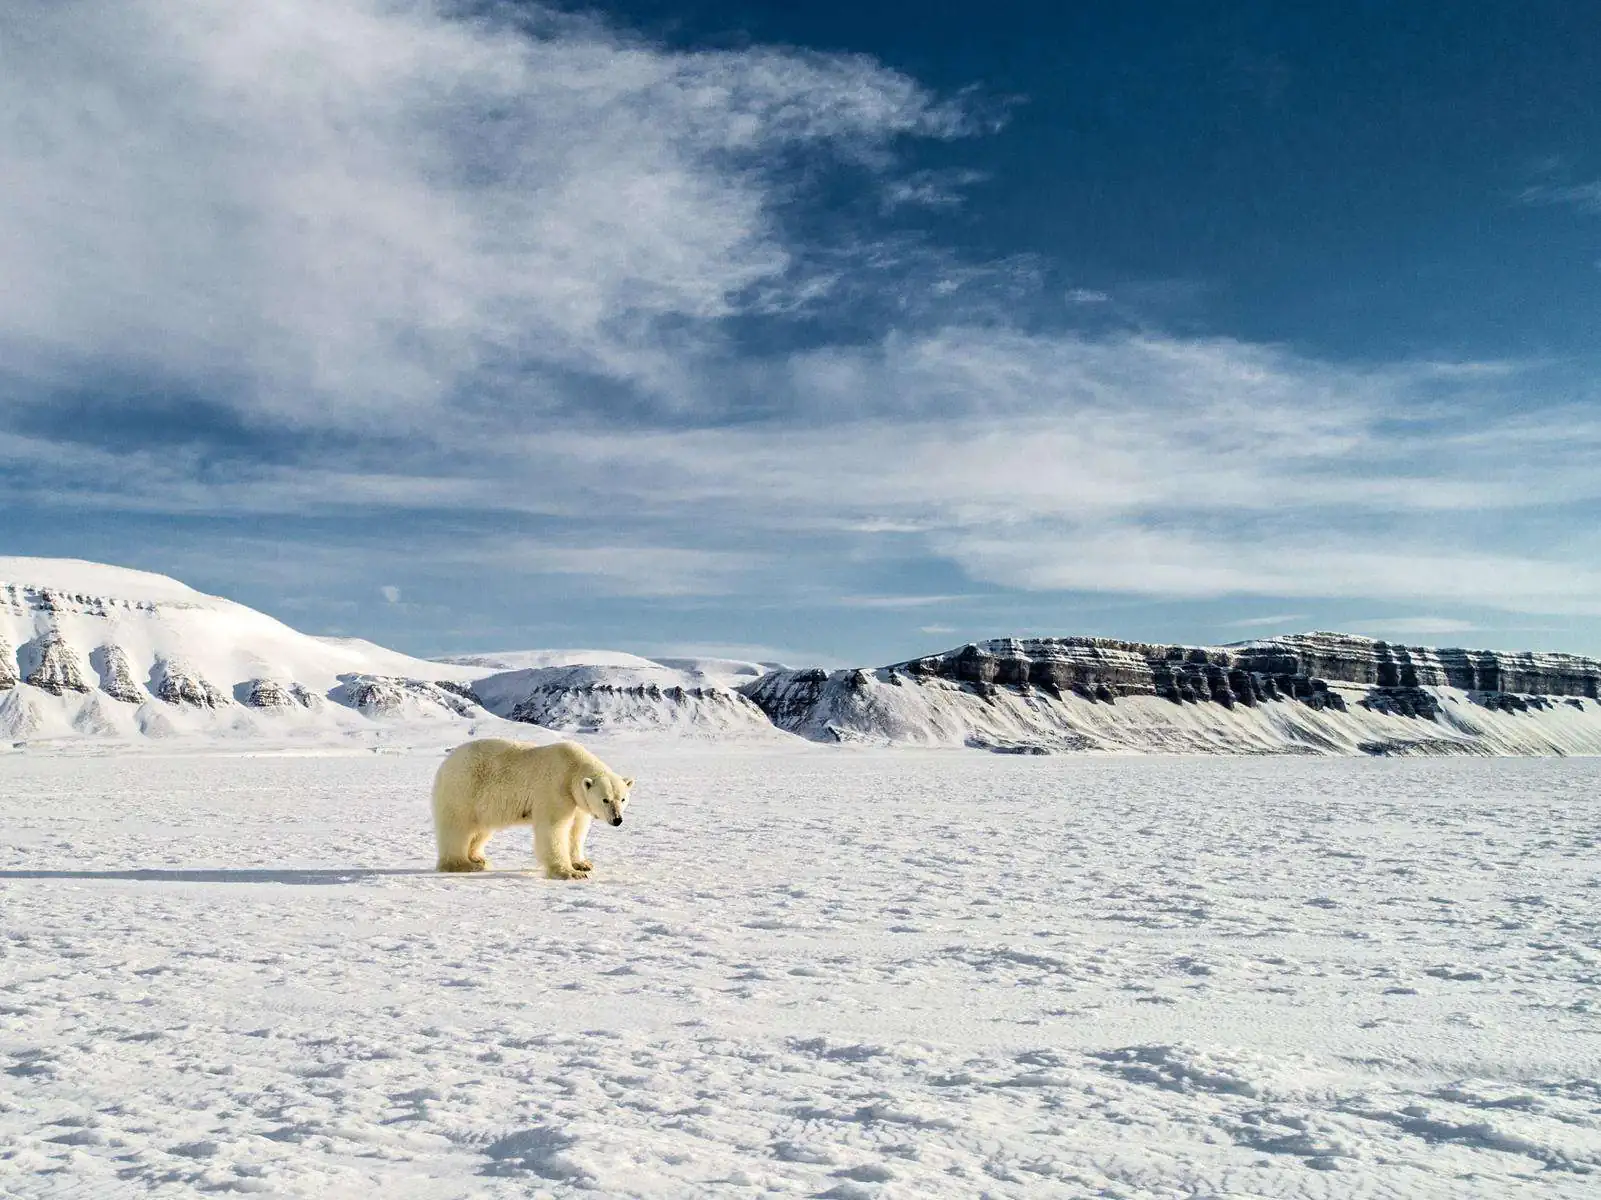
<point x="613" y="692"/>
<point x="652" y="697"/>
<point x="686" y="672"/>
<point x="1314" y="693"/>
<point x="93" y="650"/>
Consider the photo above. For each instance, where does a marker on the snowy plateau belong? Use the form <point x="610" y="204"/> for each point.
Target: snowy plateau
<point x="1307" y="917"/>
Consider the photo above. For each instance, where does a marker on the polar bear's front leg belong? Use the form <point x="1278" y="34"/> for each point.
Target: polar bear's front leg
<point x="475" y="849"/>
<point x="580" y="832"/>
<point x="553" y="848"/>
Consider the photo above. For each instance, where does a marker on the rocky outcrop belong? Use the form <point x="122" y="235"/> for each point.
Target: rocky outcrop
<point x="1346" y="658"/>
<point x="8" y="666"/>
<point x="464" y="690"/>
<point x="52" y="666"/>
<point x="600" y="707"/>
<point x="1298" y="667"/>
<point x="788" y="698"/>
<point x="177" y="683"/>
<point x="382" y="695"/>
<point x="1100" y="670"/>
<point x="1402" y="702"/>
<point x="271" y="694"/>
<point x="116" y="676"/>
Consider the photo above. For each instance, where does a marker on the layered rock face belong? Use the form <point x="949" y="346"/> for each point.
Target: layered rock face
<point x="1346" y="658"/>
<point x="53" y="667"/>
<point x="177" y="683"/>
<point x="1101" y="670"/>
<point x="1295" y="667"/>
<point x="116" y="676"/>
<point x="1005" y="693"/>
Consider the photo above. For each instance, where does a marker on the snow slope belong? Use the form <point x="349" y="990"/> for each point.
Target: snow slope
<point x="807" y="972"/>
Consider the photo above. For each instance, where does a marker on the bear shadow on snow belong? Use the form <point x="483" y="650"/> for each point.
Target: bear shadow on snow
<point x="324" y="876"/>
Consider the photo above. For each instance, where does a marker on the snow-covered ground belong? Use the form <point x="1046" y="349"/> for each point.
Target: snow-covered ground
<point x="805" y="971"/>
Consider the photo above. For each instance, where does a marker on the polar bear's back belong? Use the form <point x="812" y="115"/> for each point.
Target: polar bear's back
<point x="483" y="777"/>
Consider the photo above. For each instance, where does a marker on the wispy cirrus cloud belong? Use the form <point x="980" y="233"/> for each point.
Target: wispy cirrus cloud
<point x="1263" y="622"/>
<point x="1406" y="626"/>
<point x="1586" y="197"/>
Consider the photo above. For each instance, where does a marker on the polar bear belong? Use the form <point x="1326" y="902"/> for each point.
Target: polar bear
<point x="492" y="783"/>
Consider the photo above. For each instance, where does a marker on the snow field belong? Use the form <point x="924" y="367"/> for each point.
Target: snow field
<point x="806" y="971"/>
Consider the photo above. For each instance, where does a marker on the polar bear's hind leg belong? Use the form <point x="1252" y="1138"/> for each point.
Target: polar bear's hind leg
<point x="475" y="849"/>
<point x="455" y="848"/>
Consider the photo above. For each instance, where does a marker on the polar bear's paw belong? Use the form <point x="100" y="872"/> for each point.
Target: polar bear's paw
<point x="583" y="865"/>
<point x="463" y="864"/>
<point x="565" y="873"/>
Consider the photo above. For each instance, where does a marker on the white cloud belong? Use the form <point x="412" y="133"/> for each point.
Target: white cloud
<point x="1139" y="465"/>
<point x="1187" y="564"/>
<point x="390" y="593"/>
<point x="347" y="213"/>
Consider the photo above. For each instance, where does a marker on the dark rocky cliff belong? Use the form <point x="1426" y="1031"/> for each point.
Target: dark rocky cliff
<point x="1382" y="677"/>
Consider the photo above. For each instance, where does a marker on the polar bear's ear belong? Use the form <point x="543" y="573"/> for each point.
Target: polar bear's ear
<point x="588" y="783"/>
<point x="629" y="782"/>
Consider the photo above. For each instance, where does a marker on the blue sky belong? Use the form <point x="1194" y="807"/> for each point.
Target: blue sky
<point x="818" y="332"/>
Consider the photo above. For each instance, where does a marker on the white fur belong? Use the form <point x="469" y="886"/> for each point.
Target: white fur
<point x="491" y="783"/>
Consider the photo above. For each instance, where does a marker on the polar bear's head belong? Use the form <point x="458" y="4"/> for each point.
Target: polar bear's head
<point x="606" y="795"/>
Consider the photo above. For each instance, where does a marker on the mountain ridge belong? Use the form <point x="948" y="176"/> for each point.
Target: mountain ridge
<point x="1299" y="693"/>
<point x="94" y="651"/>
